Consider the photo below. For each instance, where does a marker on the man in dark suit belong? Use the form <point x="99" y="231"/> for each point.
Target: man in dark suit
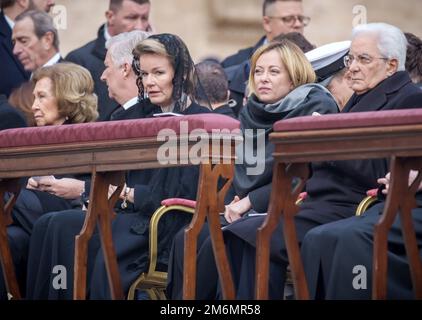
<point x="213" y="88"/>
<point x="36" y="40"/>
<point x="9" y="116"/>
<point x="278" y="17"/>
<point x="13" y="73"/>
<point x="119" y="76"/>
<point x="122" y="16"/>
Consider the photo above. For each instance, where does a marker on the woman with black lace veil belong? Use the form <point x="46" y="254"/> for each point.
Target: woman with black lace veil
<point x="166" y="81"/>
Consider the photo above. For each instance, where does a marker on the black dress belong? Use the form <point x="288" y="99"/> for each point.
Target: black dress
<point x="52" y="242"/>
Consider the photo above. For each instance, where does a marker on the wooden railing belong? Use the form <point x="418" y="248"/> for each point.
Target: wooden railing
<point x="395" y="135"/>
<point x="107" y="159"/>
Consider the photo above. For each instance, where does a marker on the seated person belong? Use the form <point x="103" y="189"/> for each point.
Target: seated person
<point x="281" y="85"/>
<point x="166" y="75"/>
<point x="376" y="63"/>
<point x="63" y="95"/>
<point x="336" y="254"/>
<point x="22" y="99"/>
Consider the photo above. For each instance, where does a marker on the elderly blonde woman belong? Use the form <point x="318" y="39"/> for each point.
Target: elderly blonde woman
<point x="63" y="94"/>
<point x="281" y="86"/>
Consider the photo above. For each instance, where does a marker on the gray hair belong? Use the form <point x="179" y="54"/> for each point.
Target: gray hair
<point x="391" y="41"/>
<point x="121" y="46"/>
<point x="43" y="23"/>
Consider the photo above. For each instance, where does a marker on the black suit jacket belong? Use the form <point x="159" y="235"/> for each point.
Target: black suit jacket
<point x="344" y="183"/>
<point x="395" y="92"/>
<point x="242" y="55"/>
<point x="9" y="116"/>
<point x="12" y="73"/>
<point x="91" y="56"/>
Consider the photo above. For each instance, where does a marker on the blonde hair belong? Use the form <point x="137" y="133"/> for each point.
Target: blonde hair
<point x="298" y="67"/>
<point x="73" y="89"/>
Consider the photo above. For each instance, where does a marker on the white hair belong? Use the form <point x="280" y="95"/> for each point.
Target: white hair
<point x="121" y="46"/>
<point x="391" y="41"/>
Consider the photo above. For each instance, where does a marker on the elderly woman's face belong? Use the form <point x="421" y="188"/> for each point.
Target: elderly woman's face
<point x="368" y="67"/>
<point x="157" y="77"/>
<point x="45" y="108"/>
<point x="271" y="80"/>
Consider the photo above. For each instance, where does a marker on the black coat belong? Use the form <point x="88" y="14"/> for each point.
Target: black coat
<point x="325" y="261"/>
<point x="334" y="190"/>
<point x="242" y="55"/>
<point x="91" y="56"/>
<point x="10" y="117"/>
<point x="225" y="110"/>
<point x="12" y="73"/>
<point x="238" y="76"/>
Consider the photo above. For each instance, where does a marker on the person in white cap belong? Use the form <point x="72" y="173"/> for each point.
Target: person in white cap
<point x="328" y="64"/>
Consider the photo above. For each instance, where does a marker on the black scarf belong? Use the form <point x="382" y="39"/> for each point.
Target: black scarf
<point x="256" y="115"/>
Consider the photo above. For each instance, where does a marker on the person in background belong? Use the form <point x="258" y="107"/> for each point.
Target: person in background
<point x="278" y="17"/>
<point x="414" y="58"/>
<point x="122" y="16"/>
<point x="13" y="73"/>
<point x="36" y="40"/>
<point x="213" y="88"/>
<point x="22" y="99"/>
<point x="328" y="64"/>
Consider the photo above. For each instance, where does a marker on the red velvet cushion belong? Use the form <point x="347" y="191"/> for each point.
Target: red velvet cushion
<point x="372" y="193"/>
<point x="113" y="130"/>
<point x="179" y="202"/>
<point x="351" y="120"/>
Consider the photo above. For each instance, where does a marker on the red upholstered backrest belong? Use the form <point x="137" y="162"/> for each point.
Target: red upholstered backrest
<point x="113" y="130"/>
<point x="351" y="120"/>
<point x="179" y="202"/>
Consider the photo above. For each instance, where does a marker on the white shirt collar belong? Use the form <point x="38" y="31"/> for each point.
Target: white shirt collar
<point x="107" y="35"/>
<point x="130" y="103"/>
<point x="10" y="22"/>
<point x="53" y="60"/>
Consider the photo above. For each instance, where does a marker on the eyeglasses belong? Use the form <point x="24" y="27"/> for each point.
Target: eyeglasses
<point x="290" y="20"/>
<point x="361" y="59"/>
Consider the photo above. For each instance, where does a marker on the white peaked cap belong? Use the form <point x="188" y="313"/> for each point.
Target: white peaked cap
<point x="328" y="59"/>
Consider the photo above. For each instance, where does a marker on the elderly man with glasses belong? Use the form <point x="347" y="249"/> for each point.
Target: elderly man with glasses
<point x="278" y="17"/>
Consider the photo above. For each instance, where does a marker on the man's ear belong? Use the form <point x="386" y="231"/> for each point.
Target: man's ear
<point x="48" y="40"/>
<point x="266" y="24"/>
<point x="392" y="66"/>
<point x="23" y="3"/>
<point x="127" y="69"/>
<point x="109" y="14"/>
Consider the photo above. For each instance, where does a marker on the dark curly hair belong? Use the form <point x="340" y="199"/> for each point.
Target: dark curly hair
<point x="414" y="57"/>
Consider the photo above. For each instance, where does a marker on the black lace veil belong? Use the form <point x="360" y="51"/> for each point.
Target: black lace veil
<point x="185" y="78"/>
